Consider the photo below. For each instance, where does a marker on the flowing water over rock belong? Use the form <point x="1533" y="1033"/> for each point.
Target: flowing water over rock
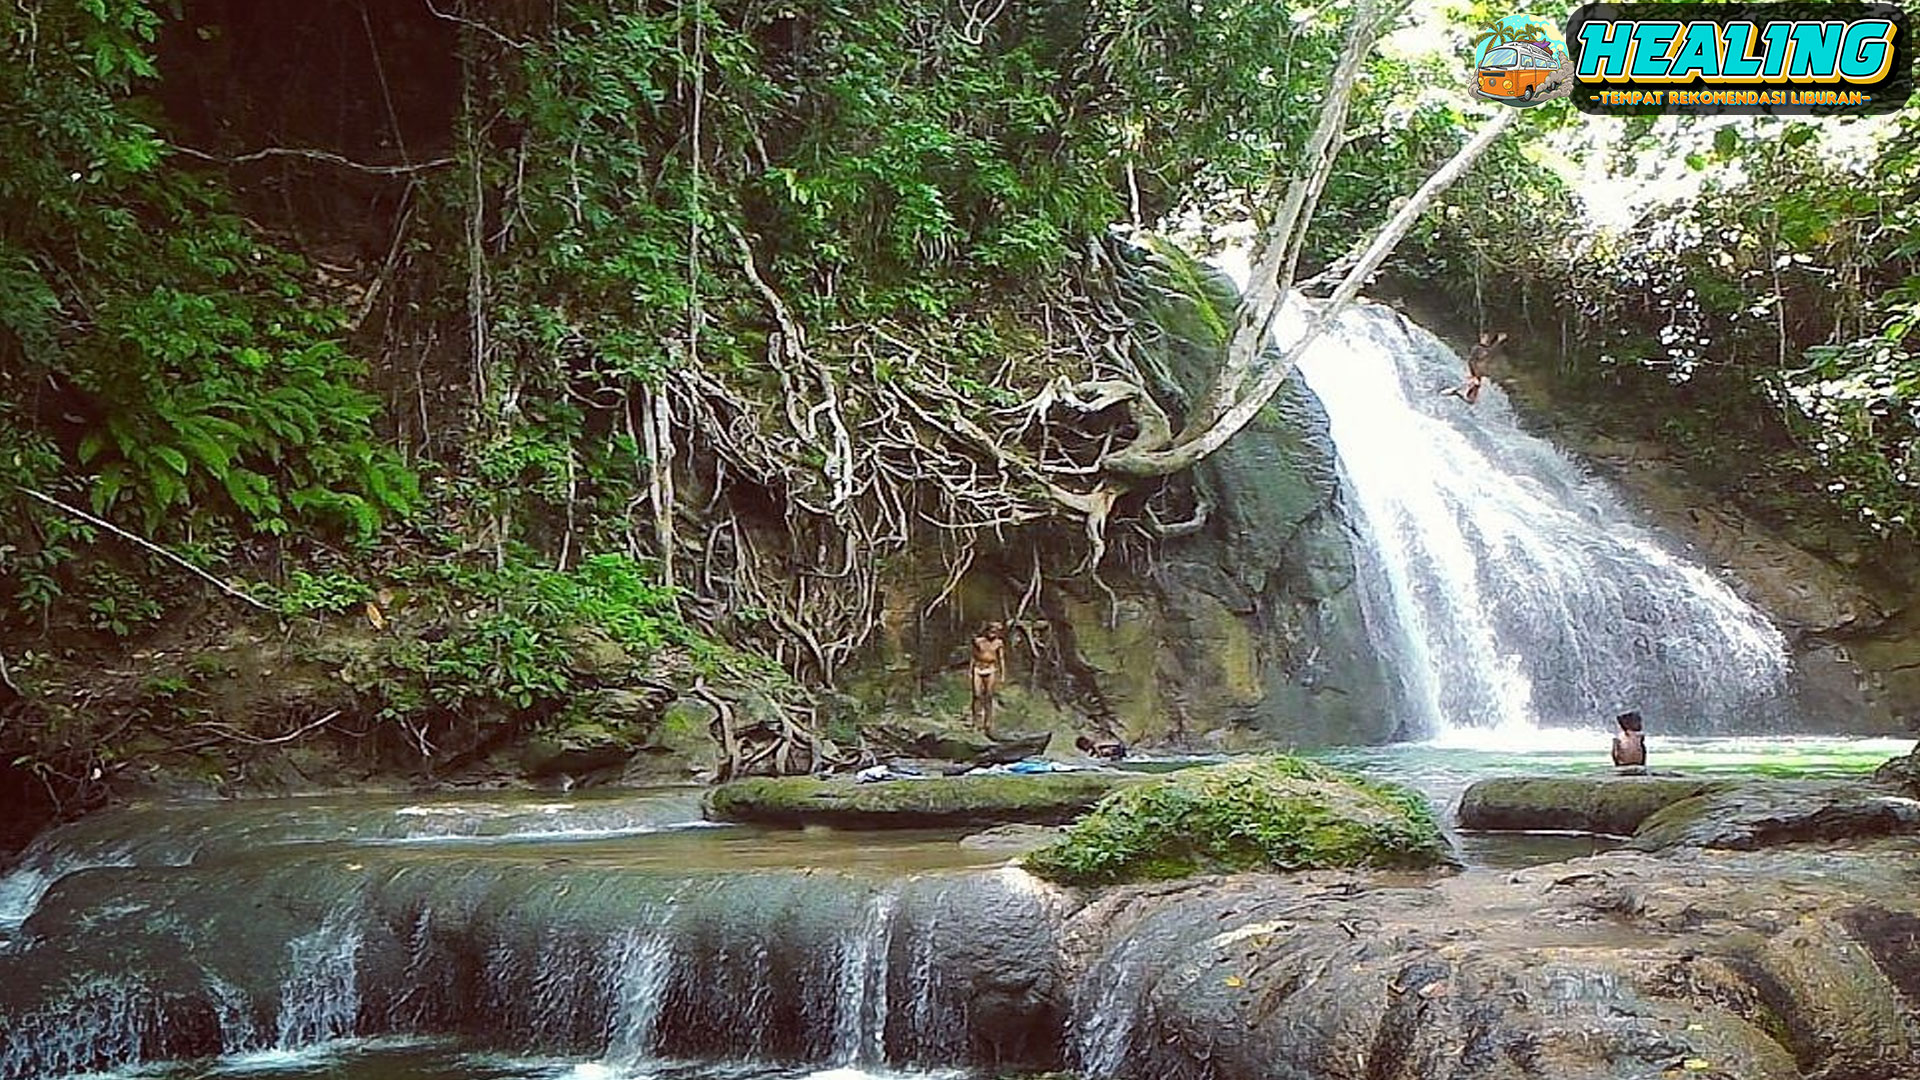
<point x="1507" y="588"/>
<point x="178" y="834"/>
<point x="734" y="954"/>
<point x="627" y="946"/>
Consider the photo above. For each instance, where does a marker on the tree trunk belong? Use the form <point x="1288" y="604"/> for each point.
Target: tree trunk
<point x="1257" y="373"/>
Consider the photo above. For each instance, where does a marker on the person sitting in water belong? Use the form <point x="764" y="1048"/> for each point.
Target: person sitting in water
<point x="1106" y="746"/>
<point x="1478" y="363"/>
<point x="1630" y="745"/>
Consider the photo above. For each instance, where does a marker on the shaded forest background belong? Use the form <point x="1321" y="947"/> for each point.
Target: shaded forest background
<point x="497" y="358"/>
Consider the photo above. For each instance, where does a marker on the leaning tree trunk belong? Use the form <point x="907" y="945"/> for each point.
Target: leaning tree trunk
<point x="1250" y="374"/>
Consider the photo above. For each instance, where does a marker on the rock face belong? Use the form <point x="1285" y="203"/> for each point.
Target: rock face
<point x="937" y="802"/>
<point x="1245" y="632"/>
<point x="1614" y="805"/>
<point x="1780" y="812"/>
<point x="1263" y="621"/>
<point x="1750" y="967"/>
<point x="1277" y="814"/>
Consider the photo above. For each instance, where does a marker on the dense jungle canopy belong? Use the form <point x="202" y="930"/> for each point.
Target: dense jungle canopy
<point x="474" y="330"/>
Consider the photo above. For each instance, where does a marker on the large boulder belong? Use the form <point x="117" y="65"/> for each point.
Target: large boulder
<point x="1275" y="814"/>
<point x="935" y="802"/>
<point x="1609" y="804"/>
<point x="1730" y="966"/>
<point x="1780" y="812"/>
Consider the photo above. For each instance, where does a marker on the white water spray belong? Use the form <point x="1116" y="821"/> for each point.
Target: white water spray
<point x="860" y="1025"/>
<point x="1505" y="588"/>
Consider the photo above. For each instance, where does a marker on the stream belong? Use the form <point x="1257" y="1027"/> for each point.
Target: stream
<point x="609" y="936"/>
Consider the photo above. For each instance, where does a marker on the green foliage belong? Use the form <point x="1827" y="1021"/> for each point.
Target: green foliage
<point x="116" y="603"/>
<point x="1279" y="813"/>
<point x="1768" y="318"/>
<point x="510" y="637"/>
<point x="158" y="360"/>
<point x="310" y="594"/>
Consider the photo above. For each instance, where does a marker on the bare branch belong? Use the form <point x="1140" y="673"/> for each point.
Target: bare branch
<point x="477" y="25"/>
<point x="1272" y="372"/>
<point x="327" y="156"/>
<point x="145" y="543"/>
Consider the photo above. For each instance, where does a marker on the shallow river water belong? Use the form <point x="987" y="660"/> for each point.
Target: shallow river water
<point x="438" y="1059"/>
<point x="616" y="842"/>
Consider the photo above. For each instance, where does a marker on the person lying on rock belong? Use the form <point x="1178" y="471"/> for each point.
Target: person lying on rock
<point x="986" y="671"/>
<point x="1105" y="747"/>
<point x="1478" y="363"/>
<point x="1630" y="745"/>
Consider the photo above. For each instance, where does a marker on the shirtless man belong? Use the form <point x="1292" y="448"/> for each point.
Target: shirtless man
<point x="1630" y="745"/>
<point x="986" y="670"/>
<point x="1478" y="364"/>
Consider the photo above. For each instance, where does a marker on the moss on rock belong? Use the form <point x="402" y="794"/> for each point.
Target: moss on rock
<point x="1277" y="813"/>
<point x="1042" y="799"/>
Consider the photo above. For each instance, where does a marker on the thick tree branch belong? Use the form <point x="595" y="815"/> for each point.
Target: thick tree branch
<point x="1278" y="254"/>
<point x="1267" y="370"/>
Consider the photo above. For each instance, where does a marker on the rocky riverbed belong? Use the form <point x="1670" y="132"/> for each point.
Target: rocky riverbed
<point x="1788" y="962"/>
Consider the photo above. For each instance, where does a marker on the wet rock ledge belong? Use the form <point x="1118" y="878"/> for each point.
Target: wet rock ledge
<point x="932" y="803"/>
<point x="1661" y="813"/>
<point x="1608" y="804"/>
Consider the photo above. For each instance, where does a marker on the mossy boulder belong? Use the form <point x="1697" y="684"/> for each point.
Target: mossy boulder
<point x="1610" y="804"/>
<point x="1277" y="813"/>
<point x="939" y="802"/>
<point x="1779" y="812"/>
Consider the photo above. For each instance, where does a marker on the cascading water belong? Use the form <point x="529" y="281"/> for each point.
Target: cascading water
<point x="1506" y="588"/>
<point x="320" y="997"/>
<point x="860" y="1029"/>
<point x="612" y="949"/>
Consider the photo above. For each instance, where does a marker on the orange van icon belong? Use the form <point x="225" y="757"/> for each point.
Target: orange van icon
<point x="1516" y="70"/>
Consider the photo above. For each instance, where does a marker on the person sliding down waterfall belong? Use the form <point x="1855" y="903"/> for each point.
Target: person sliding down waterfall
<point x="985" y="671"/>
<point x="1477" y="364"/>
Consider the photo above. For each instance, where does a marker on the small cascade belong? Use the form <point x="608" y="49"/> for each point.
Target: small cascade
<point x="634" y="965"/>
<point x="22" y="888"/>
<point x="860" y="1024"/>
<point x="1507" y="589"/>
<point x="103" y="1021"/>
<point x="233" y="1011"/>
<point x="930" y="1022"/>
<point x="320" y="993"/>
<point x="643" y="970"/>
<point x="1105" y="1010"/>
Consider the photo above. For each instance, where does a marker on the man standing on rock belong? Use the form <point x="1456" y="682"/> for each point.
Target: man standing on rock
<point x="986" y="671"/>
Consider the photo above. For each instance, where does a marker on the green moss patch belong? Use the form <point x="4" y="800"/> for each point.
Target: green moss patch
<point x="1277" y="813"/>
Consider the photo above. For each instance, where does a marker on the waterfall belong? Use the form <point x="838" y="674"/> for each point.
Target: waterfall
<point x="1506" y="588"/>
<point x="320" y="994"/>
<point x="860" y="1024"/>
<point x="644" y="968"/>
